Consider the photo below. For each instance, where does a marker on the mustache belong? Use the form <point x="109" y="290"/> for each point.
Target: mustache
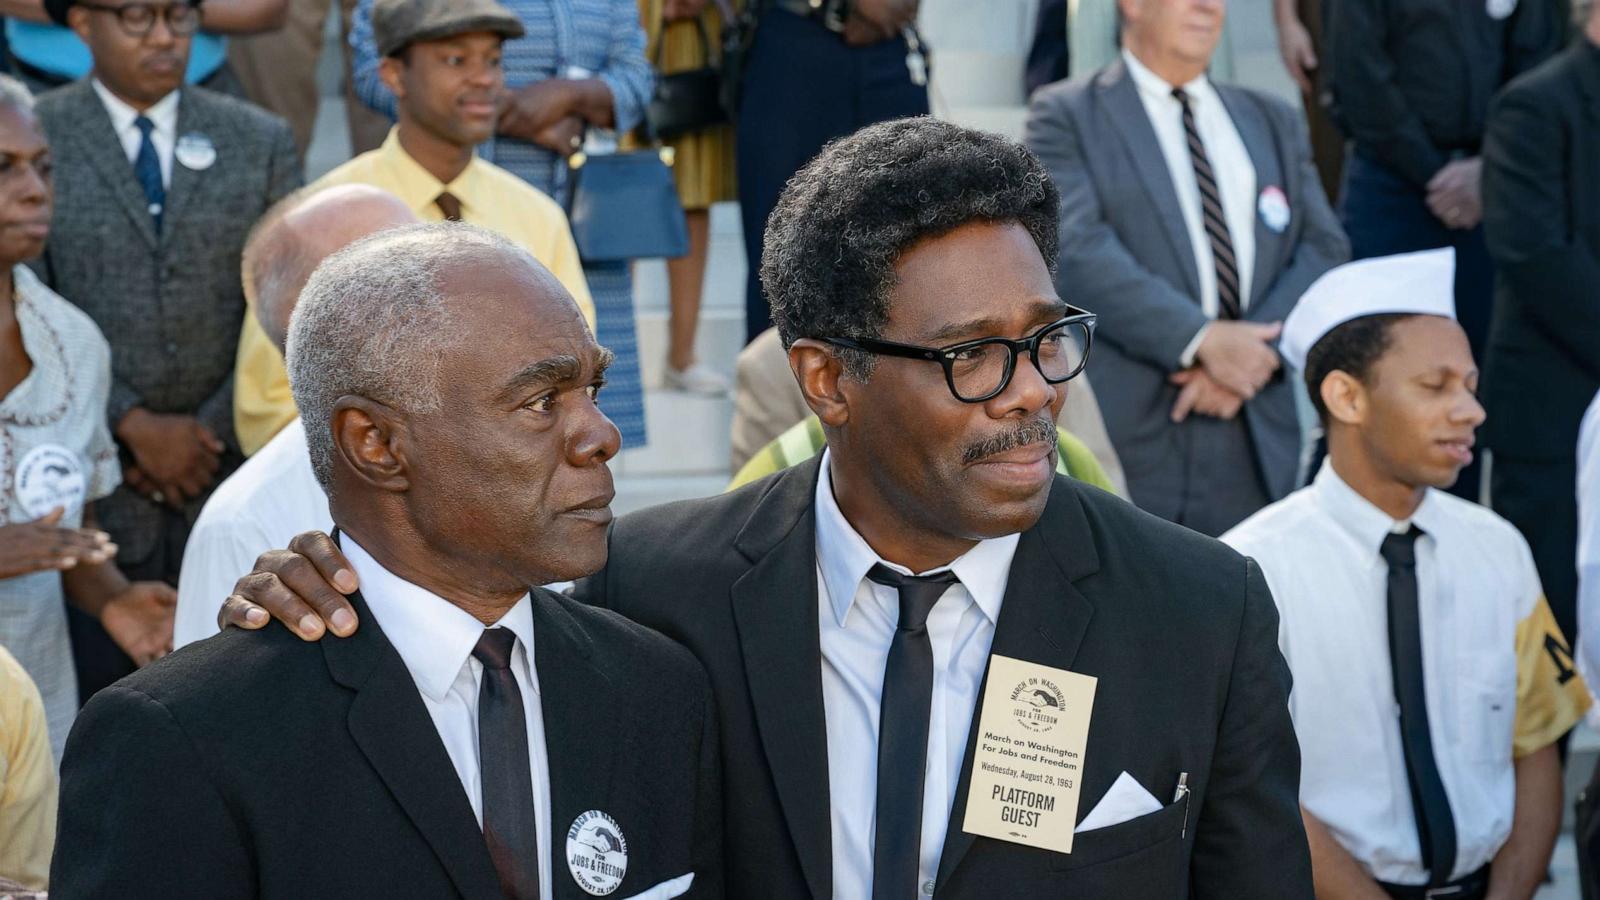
<point x="1033" y="431"/>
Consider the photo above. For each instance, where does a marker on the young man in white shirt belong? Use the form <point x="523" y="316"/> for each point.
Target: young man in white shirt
<point x="1430" y="680"/>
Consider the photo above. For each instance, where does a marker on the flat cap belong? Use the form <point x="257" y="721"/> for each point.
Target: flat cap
<point x="397" y="24"/>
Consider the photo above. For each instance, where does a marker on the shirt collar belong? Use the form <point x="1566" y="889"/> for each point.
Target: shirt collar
<point x="845" y="558"/>
<point x="433" y="636"/>
<point x="1365" y="522"/>
<point x="416" y="185"/>
<point x="1156" y="87"/>
<point x="163" y="113"/>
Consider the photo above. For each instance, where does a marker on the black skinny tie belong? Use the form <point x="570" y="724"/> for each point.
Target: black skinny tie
<point x="509" y="823"/>
<point x="1436" y="828"/>
<point x="903" y="734"/>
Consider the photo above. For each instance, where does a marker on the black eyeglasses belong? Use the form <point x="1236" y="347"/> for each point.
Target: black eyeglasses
<point x="979" y="370"/>
<point x="137" y="19"/>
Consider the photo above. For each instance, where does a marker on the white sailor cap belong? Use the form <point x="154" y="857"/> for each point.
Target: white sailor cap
<point x="1417" y="283"/>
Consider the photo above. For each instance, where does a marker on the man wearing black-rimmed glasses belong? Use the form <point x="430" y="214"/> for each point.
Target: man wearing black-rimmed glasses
<point x="156" y="186"/>
<point x="848" y="609"/>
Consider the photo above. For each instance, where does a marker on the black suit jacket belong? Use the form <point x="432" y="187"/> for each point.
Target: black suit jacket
<point x="256" y="765"/>
<point x="1541" y="201"/>
<point x="1180" y="631"/>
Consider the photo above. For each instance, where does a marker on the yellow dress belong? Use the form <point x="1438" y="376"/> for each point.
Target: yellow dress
<point x="703" y="163"/>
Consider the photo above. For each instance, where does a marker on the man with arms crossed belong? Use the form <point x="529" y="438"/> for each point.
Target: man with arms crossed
<point x="848" y="608"/>
<point x="478" y="738"/>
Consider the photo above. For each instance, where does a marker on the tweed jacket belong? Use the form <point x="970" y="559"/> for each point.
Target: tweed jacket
<point x="170" y="303"/>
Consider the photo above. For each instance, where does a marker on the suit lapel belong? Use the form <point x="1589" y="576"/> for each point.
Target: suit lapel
<point x="775" y="610"/>
<point x="185" y="181"/>
<point x="1261" y="143"/>
<point x="1043" y="620"/>
<point x="581" y="714"/>
<point x="1120" y="100"/>
<point x="392" y="727"/>
<point x="100" y="145"/>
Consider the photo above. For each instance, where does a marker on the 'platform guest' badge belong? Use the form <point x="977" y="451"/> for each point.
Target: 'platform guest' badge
<point x="1274" y="208"/>
<point x="195" y="151"/>
<point x="597" y="853"/>
<point x="50" y="476"/>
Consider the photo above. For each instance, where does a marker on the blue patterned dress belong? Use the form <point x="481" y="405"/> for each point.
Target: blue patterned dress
<point x="604" y="37"/>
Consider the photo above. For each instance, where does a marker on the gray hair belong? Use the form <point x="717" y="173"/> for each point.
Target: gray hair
<point x="272" y="263"/>
<point x="15" y="94"/>
<point x="372" y="322"/>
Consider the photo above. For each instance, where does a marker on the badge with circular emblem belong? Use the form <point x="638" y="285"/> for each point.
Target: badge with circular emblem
<point x="48" y="477"/>
<point x="597" y="853"/>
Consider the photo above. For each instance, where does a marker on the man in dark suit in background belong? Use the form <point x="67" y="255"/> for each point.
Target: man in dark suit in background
<point x="477" y="738"/>
<point x="156" y="187"/>
<point x="1541" y="186"/>
<point x="847" y="609"/>
<point x="1192" y="220"/>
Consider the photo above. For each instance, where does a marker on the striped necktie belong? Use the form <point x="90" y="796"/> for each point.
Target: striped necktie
<point x="1211" y="214"/>
<point x="147" y="168"/>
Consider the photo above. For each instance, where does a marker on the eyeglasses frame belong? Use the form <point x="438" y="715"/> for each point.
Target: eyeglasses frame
<point x="158" y="12"/>
<point x="945" y="356"/>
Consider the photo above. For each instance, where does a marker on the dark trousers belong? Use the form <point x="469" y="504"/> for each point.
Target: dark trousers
<point x="1539" y="497"/>
<point x="96" y="658"/>
<point x="1384" y="214"/>
<point x="802" y="88"/>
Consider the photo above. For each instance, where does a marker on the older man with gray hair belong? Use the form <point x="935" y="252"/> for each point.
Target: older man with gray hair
<point x="274" y="495"/>
<point x="477" y="737"/>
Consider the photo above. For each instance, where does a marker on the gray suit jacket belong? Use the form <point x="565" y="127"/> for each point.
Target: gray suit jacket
<point x="1125" y="254"/>
<point x="170" y="304"/>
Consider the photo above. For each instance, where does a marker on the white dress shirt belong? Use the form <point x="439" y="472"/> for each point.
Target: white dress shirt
<point x="856" y="619"/>
<point x="270" y="499"/>
<point x="1589" y="551"/>
<point x="1319" y="549"/>
<point x="163" y="115"/>
<point x="1231" y="163"/>
<point x="434" y="638"/>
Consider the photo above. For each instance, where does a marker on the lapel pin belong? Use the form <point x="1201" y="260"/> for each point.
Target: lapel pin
<point x="49" y="476"/>
<point x="195" y="151"/>
<point x="597" y="853"/>
<point x="1500" y="9"/>
<point x="1274" y="208"/>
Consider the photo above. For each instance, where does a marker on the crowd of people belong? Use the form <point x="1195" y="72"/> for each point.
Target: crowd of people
<point x="309" y="583"/>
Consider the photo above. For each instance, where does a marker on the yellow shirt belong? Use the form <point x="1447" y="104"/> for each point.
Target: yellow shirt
<point x="490" y="198"/>
<point x="27" y="780"/>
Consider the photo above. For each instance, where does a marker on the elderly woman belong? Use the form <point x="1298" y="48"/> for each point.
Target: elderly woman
<point x="581" y="64"/>
<point x="56" y="454"/>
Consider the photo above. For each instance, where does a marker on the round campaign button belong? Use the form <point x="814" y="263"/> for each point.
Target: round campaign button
<point x="195" y="151"/>
<point x="1274" y="208"/>
<point x="1499" y="9"/>
<point x="49" y="476"/>
<point x="597" y="853"/>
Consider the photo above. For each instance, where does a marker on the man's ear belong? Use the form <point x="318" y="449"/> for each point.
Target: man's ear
<point x="78" y="21"/>
<point x="1345" y="398"/>
<point x="370" y="438"/>
<point x="819" y="372"/>
<point x="390" y="70"/>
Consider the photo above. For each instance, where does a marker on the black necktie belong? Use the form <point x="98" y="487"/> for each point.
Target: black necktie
<point x="147" y="168"/>
<point x="508" y="817"/>
<point x="903" y="734"/>
<point x="1211" y="214"/>
<point x="1436" y="828"/>
<point x="450" y="205"/>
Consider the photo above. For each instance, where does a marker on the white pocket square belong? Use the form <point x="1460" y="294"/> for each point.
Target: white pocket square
<point x="666" y="890"/>
<point x="1126" y="800"/>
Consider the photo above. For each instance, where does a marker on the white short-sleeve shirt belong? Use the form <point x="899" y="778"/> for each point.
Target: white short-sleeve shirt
<point x="1319" y="550"/>
<point x="55" y="450"/>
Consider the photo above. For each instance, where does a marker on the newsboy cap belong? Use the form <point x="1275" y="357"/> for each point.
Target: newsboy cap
<point x="397" y="24"/>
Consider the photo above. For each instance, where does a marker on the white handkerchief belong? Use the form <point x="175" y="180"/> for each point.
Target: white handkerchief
<point x="1126" y="800"/>
<point x="666" y="890"/>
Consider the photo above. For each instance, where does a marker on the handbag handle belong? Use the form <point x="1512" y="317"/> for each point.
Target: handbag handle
<point x="661" y="40"/>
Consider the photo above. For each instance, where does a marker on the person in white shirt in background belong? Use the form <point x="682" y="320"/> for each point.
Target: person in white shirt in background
<point x="1431" y="681"/>
<point x="274" y="495"/>
<point x="1589" y="545"/>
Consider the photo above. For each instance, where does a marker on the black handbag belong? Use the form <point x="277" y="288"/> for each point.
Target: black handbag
<point x="625" y="206"/>
<point x="689" y="101"/>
